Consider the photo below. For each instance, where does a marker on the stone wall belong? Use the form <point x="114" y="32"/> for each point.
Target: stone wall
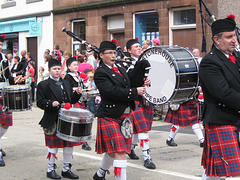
<point x="96" y="30"/>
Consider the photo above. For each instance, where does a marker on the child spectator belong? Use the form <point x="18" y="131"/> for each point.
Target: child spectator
<point x="28" y="79"/>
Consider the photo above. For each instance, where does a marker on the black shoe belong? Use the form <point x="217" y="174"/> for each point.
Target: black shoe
<point x="171" y="143"/>
<point x="96" y="177"/>
<point x="53" y="175"/>
<point x="86" y="147"/>
<point x="69" y="174"/>
<point x="201" y="144"/>
<point x="133" y="155"/>
<point x="149" y="164"/>
<point x="2" y="163"/>
<point x="3" y="153"/>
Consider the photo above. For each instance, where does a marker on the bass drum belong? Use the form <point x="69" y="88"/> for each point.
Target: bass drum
<point x="173" y="74"/>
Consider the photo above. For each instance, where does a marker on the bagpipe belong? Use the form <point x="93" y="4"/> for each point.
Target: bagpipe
<point x="214" y="19"/>
<point x="140" y="68"/>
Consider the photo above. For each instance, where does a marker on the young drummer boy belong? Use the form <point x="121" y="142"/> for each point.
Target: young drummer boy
<point x="51" y="93"/>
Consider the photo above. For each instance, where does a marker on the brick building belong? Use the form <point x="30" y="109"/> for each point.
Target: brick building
<point x="174" y="22"/>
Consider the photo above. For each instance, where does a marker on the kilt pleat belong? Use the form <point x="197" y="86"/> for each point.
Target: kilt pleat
<point x="52" y="141"/>
<point x="221" y="153"/>
<point x="142" y="118"/>
<point x="186" y="115"/>
<point x="5" y="117"/>
<point x="109" y="137"/>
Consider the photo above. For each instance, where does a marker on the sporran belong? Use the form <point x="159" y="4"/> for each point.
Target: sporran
<point x="127" y="128"/>
<point x="50" y="130"/>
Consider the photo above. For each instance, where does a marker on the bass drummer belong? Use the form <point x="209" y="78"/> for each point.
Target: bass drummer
<point x="5" y="117"/>
<point x="142" y="116"/>
<point x="51" y="93"/>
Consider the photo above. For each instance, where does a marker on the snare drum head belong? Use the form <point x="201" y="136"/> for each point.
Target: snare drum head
<point x="162" y="75"/>
<point x="16" y="87"/>
<point x="76" y="112"/>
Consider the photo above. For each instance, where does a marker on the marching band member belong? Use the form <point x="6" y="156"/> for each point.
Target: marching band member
<point x="74" y="77"/>
<point x="182" y="116"/>
<point x="142" y="116"/>
<point x="220" y="81"/>
<point x="5" y="117"/>
<point x="117" y="100"/>
<point x="51" y="93"/>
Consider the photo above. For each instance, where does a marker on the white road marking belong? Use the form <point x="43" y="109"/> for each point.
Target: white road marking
<point x="160" y="171"/>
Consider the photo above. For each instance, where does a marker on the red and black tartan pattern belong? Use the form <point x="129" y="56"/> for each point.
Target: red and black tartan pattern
<point x="142" y="117"/>
<point x="79" y="105"/>
<point x="53" y="141"/>
<point x="5" y="117"/>
<point x="186" y="115"/>
<point x="221" y="153"/>
<point x="109" y="137"/>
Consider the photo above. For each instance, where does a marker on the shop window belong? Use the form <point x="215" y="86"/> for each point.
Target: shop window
<point x="146" y="25"/>
<point x="78" y="28"/>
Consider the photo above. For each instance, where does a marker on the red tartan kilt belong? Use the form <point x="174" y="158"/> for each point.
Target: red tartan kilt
<point x="79" y="105"/>
<point x="221" y="152"/>
<point x="109" y="137"/>
<point x="5" y="117"/>
<point x="142" y="118"/>
<point x="52" y="141"/>
<point x="186" y="115"/>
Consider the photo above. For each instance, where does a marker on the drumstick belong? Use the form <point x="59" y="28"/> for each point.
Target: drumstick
<point x="84" y="89"/>
<point x="4" y="69"/>
<point x="17" y="79"/>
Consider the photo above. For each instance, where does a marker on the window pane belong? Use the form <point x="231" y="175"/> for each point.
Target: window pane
<point x="184" y="17"/>
<point x="79" y="28"/>
<point x="146" y="26"/>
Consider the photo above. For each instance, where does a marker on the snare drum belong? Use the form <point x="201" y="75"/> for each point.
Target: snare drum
<point x="17" y="98"/>
<point x="87" y="95"/>
<point x="173" y="74"/>
<point x="74" y="125"/>
<point x="3" y="84"/>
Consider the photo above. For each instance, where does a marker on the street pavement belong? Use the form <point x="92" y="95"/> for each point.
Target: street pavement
<point x="26" y="152"/>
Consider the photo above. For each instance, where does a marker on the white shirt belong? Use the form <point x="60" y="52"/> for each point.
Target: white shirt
<point x="91" y="60"/>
